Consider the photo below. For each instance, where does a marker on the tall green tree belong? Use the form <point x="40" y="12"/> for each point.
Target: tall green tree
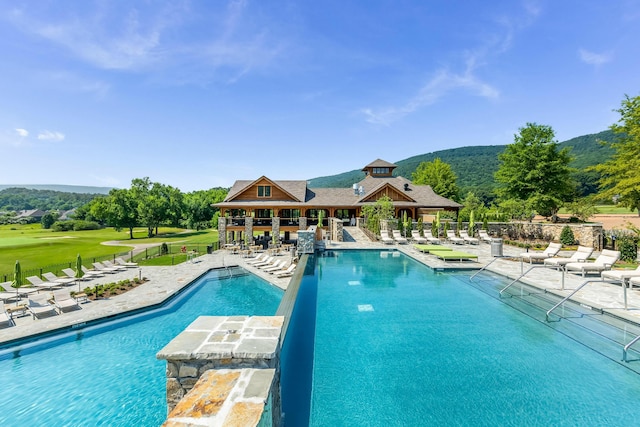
<point x="122" y="210"/>
<point x="439" y="176"/>
<point x="198" y="212"/>
<point x="534" y="171"/>
<point x="621" y="174"/>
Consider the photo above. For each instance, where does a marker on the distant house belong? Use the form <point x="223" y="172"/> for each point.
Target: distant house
<point x="67" y="215"/>
<point x="277" y="205"/>
<point x="32" y="215"/>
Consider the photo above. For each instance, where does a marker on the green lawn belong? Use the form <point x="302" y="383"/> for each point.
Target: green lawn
<point x="608" y="210"/>
<point x="38" y="248"/>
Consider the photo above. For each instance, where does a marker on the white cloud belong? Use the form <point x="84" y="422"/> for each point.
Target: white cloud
<point x="22" y="132"/>
<point x="593" y="58"/>
<point x="47" y="135"/>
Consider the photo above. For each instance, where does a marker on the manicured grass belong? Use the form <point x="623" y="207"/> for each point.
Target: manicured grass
<point x="38" y="248"/>
<point x="607" y="210"/>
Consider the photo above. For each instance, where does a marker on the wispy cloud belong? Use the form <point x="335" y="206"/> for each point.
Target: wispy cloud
<point x="23" y="133"/>
<point x="47" y="135"/>
<point x="593" y="58"/>
<point x="445" y="81"/>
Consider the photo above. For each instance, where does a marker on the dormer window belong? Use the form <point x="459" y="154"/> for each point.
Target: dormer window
<point x="380" y="171"/>
<point x="264" y="191"/>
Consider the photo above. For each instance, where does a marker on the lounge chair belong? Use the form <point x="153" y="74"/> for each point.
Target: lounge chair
<point x="452" y="255"/>
<point x="62" y="280"/>
<point x="605" y="261"/>
<point x="431" y="238"/>
<point x="259" y="259"/>
<point x="386" y="239"/>
<point x="620" y="275"/>
<point x="634" y="281"/>
<point x="63" y="301"/>
<point x="276" y="264"/>
<point x="551" y="251"/>
<point x="416" y="237"/>
<point x="92" y="273"/>
<point x="109" y="264"/>
<point x="429" y="248"/>
<point x="580" y="255"/>
<point x="397" y="237"/>
<point x="11" y="293"/>
<point x="72" y="274"/>
<point x="5" y="318"/>
<point x="451" y="236"/>
<point x="268" y="261"/>
<point x="104" y="269"/>
<point x="471" y="240"/>
<point x="126" y="264"/>
<point x="39" y="305"/>
<point x="288" y="272"/>
<point x="41" y="284"/>
<point x="484" y="236"/>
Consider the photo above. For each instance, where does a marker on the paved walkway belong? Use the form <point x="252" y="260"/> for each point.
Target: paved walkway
<point x="165" y="281"/>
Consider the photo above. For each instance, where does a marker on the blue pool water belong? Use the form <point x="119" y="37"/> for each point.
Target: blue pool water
<point x="111" y="376"/>
<point x="380" y="340"/>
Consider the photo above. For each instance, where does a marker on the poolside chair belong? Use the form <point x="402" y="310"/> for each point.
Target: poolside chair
<point x="126" y="264"/>
<point x="92" y="273"/>
<point x="11" y="293"/>
<point x="580" y="255"/>
<point x="268" y="261"/>
<point x="451" y="236"/>
<point x="259" y="259"/>
<point x="605" y="261"/>
<point x="104" y="269"/>
<point x="63" y="301"/>
<point x="288" y="272"/>
<point x="41" y="284"/>
<point x="62" y="280"/>
<point x="416" y="237"/>
<point x="484" y="236"/>
<point x="72" y="274"/>
<point x="384" y="237"/>
<point x="634" y="281"/>
<point x="431" y="238"/>
<point x="620" y="275"/>
<point x="276" y="264"/>
<point x="551" y="251"/>
<point x="275" y="269"/>
<point x="39" y="305"/>
<point x="468" y="239"/>
<point x="397" y="237"/>
<point x="5" y="318"/>
<point x="109" y="264"/>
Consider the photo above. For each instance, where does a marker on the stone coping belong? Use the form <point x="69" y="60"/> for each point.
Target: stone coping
<point x="225" y="397"/>
<point x="226" y="337"/>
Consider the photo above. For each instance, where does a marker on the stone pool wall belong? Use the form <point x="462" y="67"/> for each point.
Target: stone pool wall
<point x="236" y="357"/>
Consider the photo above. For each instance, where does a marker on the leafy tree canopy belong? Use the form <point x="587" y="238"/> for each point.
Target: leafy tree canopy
<point x="439" y="176"/>
<point x="621" y="174"/>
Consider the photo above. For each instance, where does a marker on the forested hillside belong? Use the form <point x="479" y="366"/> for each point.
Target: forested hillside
<point x="15" y="199"/>
<point x="476" y="165"/>
<point x="82" y="189"/>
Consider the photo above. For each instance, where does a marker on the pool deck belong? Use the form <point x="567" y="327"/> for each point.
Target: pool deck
<point x="166" y="281"/>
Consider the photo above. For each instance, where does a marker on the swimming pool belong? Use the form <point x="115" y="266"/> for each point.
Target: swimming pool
<point x="378" y="339"/>
<point x="111" y="376"/>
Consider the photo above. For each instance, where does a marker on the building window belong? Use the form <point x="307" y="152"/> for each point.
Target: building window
<point x="264" y="191"/>
<point x="380" y="171"/>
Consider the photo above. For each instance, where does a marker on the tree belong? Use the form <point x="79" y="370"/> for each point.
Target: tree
<point x="47" y="220"/>
<point x="439" y="176"/>
<point x="534" y="171"/>
<point x="621" y="174"/>
<point x="381" y="210"/>
<point x="122" y="210"/>
<point x="198" y="212"/>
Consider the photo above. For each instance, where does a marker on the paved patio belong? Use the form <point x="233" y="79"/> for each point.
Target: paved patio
<point x="166" y="281"/>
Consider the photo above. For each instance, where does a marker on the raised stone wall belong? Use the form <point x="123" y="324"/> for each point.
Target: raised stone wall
<point x="585" y="234"/>
<point x="306" y="241"/>
<point x="222" y="342"/>
<point x="335" y="225"/>
<point x="222" y="231"/>
<point x="248" y="229"/>
<point x="275" y="226"/>
<point x="302" y="223"/>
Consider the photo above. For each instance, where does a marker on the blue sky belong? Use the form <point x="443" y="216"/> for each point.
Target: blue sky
<point x="197" y="94"/>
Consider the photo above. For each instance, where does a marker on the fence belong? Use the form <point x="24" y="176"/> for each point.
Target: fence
<point x="129" y="255"/>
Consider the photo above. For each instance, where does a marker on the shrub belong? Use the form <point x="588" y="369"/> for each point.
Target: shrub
<point x="566" y="236"/>
<point x="420" y="226"/>
<point x="628" y="248"/>
<point x="75" y="225"/>
<point x="164" y="249"/>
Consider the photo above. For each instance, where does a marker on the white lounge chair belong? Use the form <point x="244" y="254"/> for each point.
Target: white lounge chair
<point x="288" y="272"/>
<point x="451" y="236"/>
<point x="98" y="266"/>
<point x="92" y="273"/>
<point x="39" y="305"/>
<point x="62" y="280"/>
<point x="41" y="284"/>
<point x="11" y="293"/>
<point x="431" y="238"/>
<point x="551" y="251"/>
<point x="276" y="264"/>
<point x="634" y="281"/>
<point x="109" y="264"/>
<point x="126" y="264"/>
<point x="384" y="237"/>
<point x="259" y="259"/>
<point x="468" y="239"/>
<point x="5" y="318"/>
<point x="416" y="237"/>
<point x="621" y="276"/>
<point x="63" y="301"/>
<point x="397" y="237"/>
<point x="484" y="236"/>
<point x="605" y="261"/>
<point x="582" y="254"/>
<point x="72" y="274"/>
<point x="267" y="261"/>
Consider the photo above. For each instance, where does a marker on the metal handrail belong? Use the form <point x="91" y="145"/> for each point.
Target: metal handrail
<point x="484" y="268"/>
<point x="626" y="348"/>
<point x="520" y="277"/>
<point x="569" y="296"/>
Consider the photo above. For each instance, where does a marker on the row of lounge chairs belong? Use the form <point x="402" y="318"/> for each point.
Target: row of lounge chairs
<point x="577" y="262"/>
<point x="270" y="264"/>
<point x="429" y="238"/>
<point x="41" y="305"/>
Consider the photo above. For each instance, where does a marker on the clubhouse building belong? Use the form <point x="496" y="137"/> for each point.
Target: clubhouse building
<point x="276" y="207"/>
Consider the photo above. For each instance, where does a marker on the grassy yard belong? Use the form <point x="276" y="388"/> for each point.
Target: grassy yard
<point x="35" y="247"/>
<point x="607" y="210"/>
